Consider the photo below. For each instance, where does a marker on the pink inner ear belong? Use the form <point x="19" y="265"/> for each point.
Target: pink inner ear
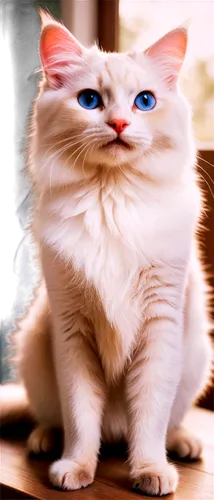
<point x="174" y="43"/>
<point x="55" y="43"/>
<point x="170" y="51"/>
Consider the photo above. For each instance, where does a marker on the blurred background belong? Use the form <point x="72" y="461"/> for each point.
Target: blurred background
<point x="114" y="25"/>
<point x="141" y="23"/>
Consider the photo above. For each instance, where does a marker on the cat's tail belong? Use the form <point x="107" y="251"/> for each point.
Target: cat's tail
<point x="14" y="406"/>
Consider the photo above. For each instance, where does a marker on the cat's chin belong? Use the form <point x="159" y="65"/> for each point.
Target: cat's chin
<point x="115" y="153"/>
<point x="116" y="145"/>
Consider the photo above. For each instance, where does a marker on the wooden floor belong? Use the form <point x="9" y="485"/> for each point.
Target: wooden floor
<point x="22" y="477"/>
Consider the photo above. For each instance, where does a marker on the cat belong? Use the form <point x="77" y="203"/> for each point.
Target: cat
<point x="115" y="345"/>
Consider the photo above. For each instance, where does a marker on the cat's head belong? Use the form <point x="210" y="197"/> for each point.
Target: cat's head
<point x="98" y="108"/>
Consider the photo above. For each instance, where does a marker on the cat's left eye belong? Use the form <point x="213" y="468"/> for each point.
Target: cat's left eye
<point x="89" y="99"/>
<point x="145" y="101"/>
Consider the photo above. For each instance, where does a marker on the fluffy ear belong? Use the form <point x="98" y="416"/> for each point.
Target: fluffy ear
<point x="58" y="48"/>
<point x="169" y="53"/>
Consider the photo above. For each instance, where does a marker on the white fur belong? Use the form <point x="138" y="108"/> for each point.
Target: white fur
<point x="125" y="334"/>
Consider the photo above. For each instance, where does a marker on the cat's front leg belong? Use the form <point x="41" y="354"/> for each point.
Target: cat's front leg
<point x="79" y="378"/>
<point x="151" y="384"/>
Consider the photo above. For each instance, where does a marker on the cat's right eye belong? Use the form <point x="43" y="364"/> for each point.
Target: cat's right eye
<point x="89" y="99"/>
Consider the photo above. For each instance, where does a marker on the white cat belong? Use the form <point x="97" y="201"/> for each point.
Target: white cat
<point x="115" y="345"/>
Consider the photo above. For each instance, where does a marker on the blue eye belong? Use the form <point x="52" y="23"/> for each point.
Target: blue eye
<point x="89" y="99"/>
<point x="145" y="101"/>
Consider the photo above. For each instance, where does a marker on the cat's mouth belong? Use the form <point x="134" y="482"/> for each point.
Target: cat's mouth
<point x="117" y="142"/>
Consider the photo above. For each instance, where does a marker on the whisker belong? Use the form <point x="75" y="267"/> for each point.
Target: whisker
<point x="55" y="156"/>
<point x="61" y="141"/>
<point x="87" y="151"/>
<point x="208" y="175"/>
<point x="68" y="141"/>
<point x="207" y="183"/>
<point x="79" y="148"/>
<point x="50" y="178"/>
<point x="200" y="158"/>
<point x="69" y="136"/>
<point x="81" y="151"/>
<point x="38" y="70"/>
<point x="92" y="146"/>
<point x="66" y="146"/>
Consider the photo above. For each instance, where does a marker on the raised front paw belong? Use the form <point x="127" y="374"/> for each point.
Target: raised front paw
<point x="70" y="475"/>
<point x="156" y="479"/>
<point x="183" y="445"/>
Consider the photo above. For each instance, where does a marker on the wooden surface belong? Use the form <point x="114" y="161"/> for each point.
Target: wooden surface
<point x="22" y="477"/>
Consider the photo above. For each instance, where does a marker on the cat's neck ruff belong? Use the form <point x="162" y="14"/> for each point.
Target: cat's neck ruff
<point x="119" y="208"/>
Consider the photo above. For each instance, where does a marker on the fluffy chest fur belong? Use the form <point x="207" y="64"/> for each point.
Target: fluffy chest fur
<point x="124" y="238"/>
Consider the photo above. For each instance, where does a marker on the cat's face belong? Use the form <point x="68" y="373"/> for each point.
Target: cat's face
<point x="111" y="109"/>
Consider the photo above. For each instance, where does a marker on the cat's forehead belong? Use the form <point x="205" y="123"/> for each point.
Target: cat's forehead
<point x="120" y="70"/>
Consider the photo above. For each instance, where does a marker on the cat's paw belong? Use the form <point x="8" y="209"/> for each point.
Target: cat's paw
<point x="70" y="475"/>
<point x="156" y="479"/>
<point x="41" y="440"/>
<point x="183" y="445"/>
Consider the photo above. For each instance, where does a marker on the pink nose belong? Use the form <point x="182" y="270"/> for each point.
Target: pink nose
<point x="118" y="124"/>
